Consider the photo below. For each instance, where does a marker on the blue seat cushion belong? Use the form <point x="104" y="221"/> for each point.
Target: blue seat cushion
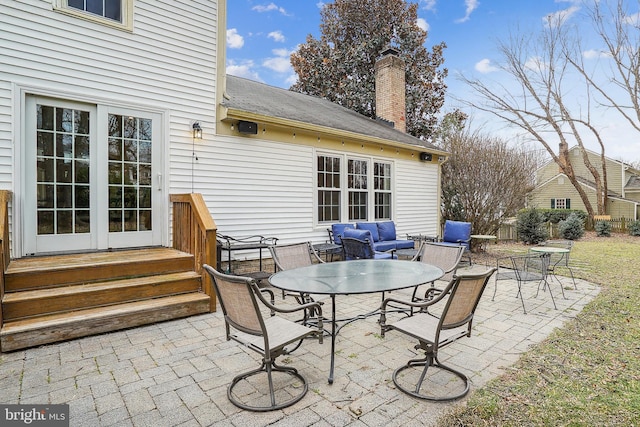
<point x="457" y="232"/>
<point x="358" y="234"/>
<point x="405" y="244"/>
<point x="372" y="227"/>
<point x="382" y="255"/>
<point x="386" y="230"/>
<point x="384" y="246"/>
<point x="338" y="231"/>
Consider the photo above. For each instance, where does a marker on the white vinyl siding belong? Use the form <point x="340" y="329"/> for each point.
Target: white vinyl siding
<point x="167" y="65"/>
<point x="416" y="198"/>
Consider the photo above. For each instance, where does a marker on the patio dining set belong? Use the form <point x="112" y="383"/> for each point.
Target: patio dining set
<point x="439" y="311"/>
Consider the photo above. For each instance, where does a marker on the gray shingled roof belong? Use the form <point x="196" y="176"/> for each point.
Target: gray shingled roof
<point x="259" y="98"/>
<point x="633" y="183"/>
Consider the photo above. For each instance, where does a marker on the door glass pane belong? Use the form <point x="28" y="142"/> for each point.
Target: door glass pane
<point x="129" y="173"/>
<point x="62" y="170"/>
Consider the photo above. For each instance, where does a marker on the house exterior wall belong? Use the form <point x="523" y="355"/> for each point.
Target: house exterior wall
<point x="559" y="187"/>
<point x="257" y="186"/>
<point x="614" y="170"/>
<point x="552" y="184"/>
<point x="165" y="64"/>
<point x="168" y="64"/>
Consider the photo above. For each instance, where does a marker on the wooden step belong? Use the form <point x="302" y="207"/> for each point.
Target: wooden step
<point x="18" y="305"/>
<point x="52" y="328"/>
<point x="49" y="271"/>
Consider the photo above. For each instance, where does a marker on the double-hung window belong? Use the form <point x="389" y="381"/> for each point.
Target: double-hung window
<point x="117" y="13"/>
<point x="560" y="204"/>
<point x="358" y="189"/>
<point x="353" y="189"/>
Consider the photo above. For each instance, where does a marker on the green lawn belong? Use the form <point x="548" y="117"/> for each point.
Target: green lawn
<point x="588" y="373"/>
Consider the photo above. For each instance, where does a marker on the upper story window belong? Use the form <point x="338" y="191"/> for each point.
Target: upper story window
<point x="352" y="189"/>
<point x="110" y="9"/>
<point x="116" y="13"/>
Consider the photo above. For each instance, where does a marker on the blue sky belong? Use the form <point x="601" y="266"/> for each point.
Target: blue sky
<point x="261" y="34"/>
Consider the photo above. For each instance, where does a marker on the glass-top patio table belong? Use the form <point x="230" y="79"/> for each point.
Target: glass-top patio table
<point x="354" y="277"/>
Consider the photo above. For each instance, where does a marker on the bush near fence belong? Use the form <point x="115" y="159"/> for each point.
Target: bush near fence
<point x="507" y="231"/>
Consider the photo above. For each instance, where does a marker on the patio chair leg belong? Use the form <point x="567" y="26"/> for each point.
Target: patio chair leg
<point x="429" y="361"/>
<point x="268" y="367"/>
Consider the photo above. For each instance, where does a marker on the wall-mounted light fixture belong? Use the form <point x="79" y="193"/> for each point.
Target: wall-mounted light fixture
<point x="197" y="130"/>
<point x="426" y="157"/>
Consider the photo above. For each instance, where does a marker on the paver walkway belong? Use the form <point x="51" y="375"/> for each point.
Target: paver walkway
<point x="176" y="373"/>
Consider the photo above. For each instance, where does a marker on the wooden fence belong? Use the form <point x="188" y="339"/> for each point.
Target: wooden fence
<point x="508" y="231"/>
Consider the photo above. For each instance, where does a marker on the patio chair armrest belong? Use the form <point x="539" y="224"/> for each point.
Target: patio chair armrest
<point x="310" y="305"/>
<point x="315" y="254"/>
<point x="417" y="255"/>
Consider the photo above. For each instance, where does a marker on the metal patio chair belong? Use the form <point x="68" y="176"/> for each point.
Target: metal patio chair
<point x="460" y="299"/>
<point x="353" y="248"/>
<point x="532" y="268"/>
<point x="444" y="256"/>
<point x="243" y="306"/>
<point x="560" y="260"/>
<point x="295" y="255"/>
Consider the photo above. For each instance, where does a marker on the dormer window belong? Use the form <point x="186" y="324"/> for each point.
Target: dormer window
<point x="115" y="13"/>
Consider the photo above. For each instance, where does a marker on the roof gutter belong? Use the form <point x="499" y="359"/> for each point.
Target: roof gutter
<point x="235" y="114"/>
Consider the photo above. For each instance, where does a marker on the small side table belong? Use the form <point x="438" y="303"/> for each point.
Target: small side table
<point x="484" y="239"/>
<point x="327" y="249"/>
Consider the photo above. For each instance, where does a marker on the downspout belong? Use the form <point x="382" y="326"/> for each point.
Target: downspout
<point x="439" y="191"/>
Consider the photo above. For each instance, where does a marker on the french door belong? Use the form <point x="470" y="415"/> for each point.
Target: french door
<point x="91" y="177"/>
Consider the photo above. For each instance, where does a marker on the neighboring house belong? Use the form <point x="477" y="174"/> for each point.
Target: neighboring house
<point x="97" y="110"/>
<point x="554" y="190"/>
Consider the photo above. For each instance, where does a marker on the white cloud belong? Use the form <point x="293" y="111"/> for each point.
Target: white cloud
<point x="292" y="79"/>
<point x="244" y="69"/>
<point x="422" y="24"/>
<point x="271" y="7"/>
<point x="595" y="54"/>
<point x="282" y="52"/>
<point x="471" y="6"/>
<point x="633" y="19"/>
<point x="428" y="4"/>
<point x="561" y="16"/>
<point x="280" y="63"/>
<point x="234" y="40"/>
<point x="484" y="66"/>
<point x="535" y="63"/>
<point x="276" y="36"/>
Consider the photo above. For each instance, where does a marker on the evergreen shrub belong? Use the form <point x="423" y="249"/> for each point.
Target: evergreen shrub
<point x="531" y="228"/>
<point x="572" y="228"/>
<point x="603" y="228"/>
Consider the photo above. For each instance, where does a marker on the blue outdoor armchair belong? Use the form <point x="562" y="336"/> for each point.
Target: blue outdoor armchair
<point x="457" y="233"/>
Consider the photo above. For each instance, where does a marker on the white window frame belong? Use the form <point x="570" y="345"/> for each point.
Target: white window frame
<point x="62" y="6"/>
<point x="562" y="202"/>
<point x="345" y="190"/>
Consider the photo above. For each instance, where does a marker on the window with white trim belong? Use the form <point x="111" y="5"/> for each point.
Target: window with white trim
<point x="382" y="190"/>
<point x="357" y="185"/>
<point x="329" y="194"/>
<point x="353" y="189"/>
<point x="117" y="13"/>
<point x="560" y="204"/>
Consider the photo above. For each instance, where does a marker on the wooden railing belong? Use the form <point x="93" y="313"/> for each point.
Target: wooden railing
<point x="5" y="254"/>
<point x="194" y="232"/>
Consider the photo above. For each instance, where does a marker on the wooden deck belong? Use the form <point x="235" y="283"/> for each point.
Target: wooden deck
<point x="54" y="298"/>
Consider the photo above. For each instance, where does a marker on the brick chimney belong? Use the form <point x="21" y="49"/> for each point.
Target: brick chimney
<point x="563" y="154"/>
<point x="390" y="89"/>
